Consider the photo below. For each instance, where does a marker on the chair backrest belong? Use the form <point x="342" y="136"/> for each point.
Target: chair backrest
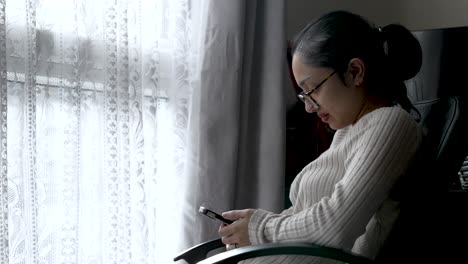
<point x="421" y="226"/>
<point x="445" y="120"/>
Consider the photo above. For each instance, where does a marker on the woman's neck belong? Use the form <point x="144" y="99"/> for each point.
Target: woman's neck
<point x="369" y="105"/>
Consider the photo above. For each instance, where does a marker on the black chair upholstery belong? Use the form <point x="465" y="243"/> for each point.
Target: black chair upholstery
<point x="422" y="223"/>
<point x="425" y="213"/>
<point x="445" y="120"/>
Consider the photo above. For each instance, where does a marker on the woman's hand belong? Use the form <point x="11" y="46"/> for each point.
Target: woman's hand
<point x="236" y="234"/>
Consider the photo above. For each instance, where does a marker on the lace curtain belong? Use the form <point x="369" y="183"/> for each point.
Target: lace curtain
<point x="95" y="98"/>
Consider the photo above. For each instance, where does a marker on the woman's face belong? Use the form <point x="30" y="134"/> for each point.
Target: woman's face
<point x="339" y="103"/>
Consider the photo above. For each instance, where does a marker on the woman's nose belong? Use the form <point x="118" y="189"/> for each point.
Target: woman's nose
<point x="309" y="107"/>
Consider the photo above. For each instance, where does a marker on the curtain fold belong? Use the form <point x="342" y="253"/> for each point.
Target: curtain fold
<point x="237" y="146"/>
<point x="3" y="141"/>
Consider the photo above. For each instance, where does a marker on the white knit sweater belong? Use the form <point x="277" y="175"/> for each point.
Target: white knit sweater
<point x="342" y="198"/>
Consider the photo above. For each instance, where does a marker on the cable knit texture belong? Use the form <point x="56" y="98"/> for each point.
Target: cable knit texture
<point x="342" y="198"/>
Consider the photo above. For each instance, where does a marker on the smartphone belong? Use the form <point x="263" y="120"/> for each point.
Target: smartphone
<point x="214" y="215"/>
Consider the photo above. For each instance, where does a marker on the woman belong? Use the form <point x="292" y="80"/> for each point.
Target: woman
<point x="352" y="77"/>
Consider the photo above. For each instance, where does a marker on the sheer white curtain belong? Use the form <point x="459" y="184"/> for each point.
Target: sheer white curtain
<point x="95" y="99"/>
<point x="119" y="118"/>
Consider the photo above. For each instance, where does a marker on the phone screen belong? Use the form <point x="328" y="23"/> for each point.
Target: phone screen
<point x="214" y="215"/>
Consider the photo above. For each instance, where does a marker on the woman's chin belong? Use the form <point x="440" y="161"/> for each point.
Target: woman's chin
<point x="334" y="125"/>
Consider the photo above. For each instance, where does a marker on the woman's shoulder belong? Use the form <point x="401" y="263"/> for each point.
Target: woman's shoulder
<point x="388" y="116"/>
<point x="381" y="121"/>
<point x="387" y="119"/>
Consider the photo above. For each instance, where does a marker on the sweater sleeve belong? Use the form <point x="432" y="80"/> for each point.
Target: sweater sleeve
<point x="382" y="154"/>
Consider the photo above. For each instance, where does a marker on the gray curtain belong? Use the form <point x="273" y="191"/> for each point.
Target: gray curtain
<point x="237" y="149"/>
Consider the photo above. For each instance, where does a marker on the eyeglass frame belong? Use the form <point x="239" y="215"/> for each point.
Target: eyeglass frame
<point x="302" y="95"/>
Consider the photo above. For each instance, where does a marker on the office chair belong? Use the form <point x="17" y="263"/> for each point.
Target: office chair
<point x="437" y="163"/>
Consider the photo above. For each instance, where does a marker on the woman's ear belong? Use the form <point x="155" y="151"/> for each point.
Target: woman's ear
<point x="357" y="69"/>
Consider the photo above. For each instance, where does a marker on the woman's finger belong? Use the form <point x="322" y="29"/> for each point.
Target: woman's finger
<point x="228" y="240"/>
<point x="234" y="214"/>
<point x="225" y="231"/>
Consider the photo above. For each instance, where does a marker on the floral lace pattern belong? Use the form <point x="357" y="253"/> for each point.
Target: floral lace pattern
<point x="3" y="143"/>
<point x="95" y="98"/>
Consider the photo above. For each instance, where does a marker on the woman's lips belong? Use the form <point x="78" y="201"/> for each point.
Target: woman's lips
<point x="324" y="117"/>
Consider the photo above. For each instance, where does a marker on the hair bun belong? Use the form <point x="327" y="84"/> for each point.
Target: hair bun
<point x="403" y="50"/>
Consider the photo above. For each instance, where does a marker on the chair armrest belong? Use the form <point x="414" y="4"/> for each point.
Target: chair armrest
<point x="199" y="252"/>
<point x="236" y="255"/>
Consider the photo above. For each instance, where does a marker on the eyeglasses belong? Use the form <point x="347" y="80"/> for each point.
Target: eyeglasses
<point x="304" y="96"/>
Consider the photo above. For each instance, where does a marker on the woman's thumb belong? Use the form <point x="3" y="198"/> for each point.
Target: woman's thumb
<point x="233" y="215"/>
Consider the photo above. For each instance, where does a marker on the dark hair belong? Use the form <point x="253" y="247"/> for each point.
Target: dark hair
<point x="391" y="54"/>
